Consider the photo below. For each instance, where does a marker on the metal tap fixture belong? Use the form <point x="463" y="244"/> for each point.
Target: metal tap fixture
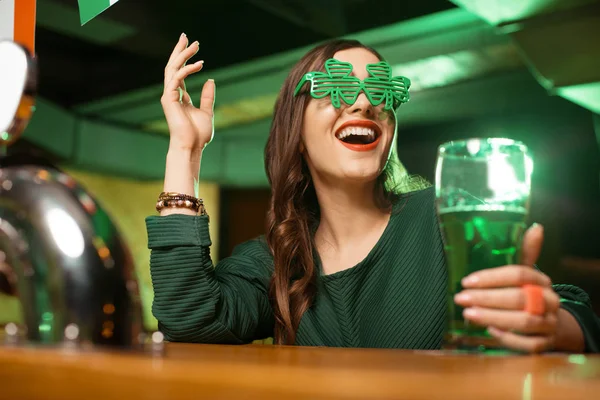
<point x="60" y="253"/>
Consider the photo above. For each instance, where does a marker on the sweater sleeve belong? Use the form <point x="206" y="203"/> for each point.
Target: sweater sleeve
<point x="578" y="303"/>
<point x="197" y="302"/>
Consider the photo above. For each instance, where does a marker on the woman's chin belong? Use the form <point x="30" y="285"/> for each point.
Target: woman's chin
<point x="361" y="175"/>
<point x="351" y="172"/>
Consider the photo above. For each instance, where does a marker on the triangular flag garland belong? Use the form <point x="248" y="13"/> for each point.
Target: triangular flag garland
<point x="89" y="9"/>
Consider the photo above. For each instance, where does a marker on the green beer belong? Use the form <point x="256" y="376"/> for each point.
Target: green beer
<point x="482" y="189"/>
<point x="477" y="237"/>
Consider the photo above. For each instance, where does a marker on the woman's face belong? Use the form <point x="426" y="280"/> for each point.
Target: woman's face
<point x="351" y="143"/>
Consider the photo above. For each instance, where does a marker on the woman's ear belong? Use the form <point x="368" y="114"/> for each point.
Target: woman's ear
<point x="301" y="147"/>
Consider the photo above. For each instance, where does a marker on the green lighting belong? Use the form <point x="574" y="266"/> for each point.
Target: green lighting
<point x="579" y="359"/>
<point x="527" y="387"/>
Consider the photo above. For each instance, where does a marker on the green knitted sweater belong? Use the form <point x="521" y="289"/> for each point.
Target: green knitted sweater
<point x="394" y="298"/>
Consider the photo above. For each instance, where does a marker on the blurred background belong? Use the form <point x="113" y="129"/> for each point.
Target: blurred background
<point x="523" y="69"/>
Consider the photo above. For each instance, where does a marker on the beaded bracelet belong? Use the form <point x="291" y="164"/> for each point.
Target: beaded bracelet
<point x="180" y="200"/>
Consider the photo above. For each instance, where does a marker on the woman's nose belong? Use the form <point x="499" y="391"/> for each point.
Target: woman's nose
<point x="362" y="105"/>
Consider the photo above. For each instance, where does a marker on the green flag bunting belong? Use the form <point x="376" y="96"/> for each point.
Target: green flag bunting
<point x="89" y="9"/>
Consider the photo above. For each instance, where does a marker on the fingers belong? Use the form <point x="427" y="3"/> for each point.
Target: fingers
<point x="179" y="59"/>
<point x="532" y="245"/>
<point x="530" y="344"/>
<point x="179" y="47"/>
<point x="512" y="320"/>
<point x="504" y="298"/>
<point x="176" y="71"/>
<point x="207" y="98"/>
<point x="172" y="88"/>
<point x="507" y="276"/>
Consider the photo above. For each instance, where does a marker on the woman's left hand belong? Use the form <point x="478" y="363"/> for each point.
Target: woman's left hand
<point x="495" y="298"/>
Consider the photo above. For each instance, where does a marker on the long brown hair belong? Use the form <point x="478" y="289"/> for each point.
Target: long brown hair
<point x="294" y="209"/>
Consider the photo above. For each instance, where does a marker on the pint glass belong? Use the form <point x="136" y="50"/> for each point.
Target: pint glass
<point x="482" y="198"/>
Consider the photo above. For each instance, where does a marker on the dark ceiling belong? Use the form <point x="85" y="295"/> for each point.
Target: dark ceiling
<point x="75" y="69"/>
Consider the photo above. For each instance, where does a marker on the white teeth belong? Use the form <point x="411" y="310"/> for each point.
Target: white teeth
<point x="354" y="130"/>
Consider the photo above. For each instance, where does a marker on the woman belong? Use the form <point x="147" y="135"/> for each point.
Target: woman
<point x="352" y="255"/>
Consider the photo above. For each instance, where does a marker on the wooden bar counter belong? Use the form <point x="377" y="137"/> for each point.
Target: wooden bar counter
<point x="186" y="371"/>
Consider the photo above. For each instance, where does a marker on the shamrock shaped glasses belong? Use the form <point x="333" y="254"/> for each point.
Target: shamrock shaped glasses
<point x="338" y="83"/>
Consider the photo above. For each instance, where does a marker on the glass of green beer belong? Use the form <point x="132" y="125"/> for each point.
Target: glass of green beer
<point x="482" y="198"/>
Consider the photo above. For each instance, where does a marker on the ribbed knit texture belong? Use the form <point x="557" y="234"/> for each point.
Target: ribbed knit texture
<point x="394" y="298"/>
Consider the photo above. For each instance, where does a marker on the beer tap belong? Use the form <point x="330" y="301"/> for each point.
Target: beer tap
<point x="60" y="253"/>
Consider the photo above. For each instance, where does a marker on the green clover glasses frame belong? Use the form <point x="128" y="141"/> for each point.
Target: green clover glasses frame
<point x="338" y="83"/>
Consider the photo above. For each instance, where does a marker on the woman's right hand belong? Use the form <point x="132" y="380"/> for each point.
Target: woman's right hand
<point x="191" y="128"/>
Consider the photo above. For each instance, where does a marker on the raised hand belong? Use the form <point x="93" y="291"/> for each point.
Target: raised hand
<point x="191" y="128"/>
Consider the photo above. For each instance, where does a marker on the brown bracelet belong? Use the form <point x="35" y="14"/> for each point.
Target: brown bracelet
<point x="176" y="203"/>
<point x="180" y="200"/>
<point x="194" y="202"/>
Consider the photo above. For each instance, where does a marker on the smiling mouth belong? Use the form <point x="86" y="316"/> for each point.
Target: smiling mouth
<point x="359" y="136"/>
